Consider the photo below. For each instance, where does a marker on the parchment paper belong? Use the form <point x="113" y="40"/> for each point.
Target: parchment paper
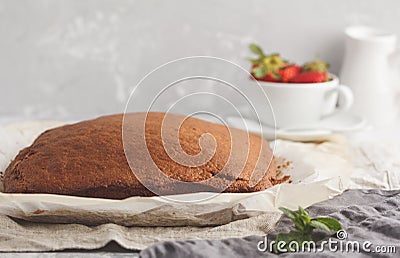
<point x="318" y="172"/>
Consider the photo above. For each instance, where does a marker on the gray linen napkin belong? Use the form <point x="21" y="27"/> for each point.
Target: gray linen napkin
<point x="366" y="215"/>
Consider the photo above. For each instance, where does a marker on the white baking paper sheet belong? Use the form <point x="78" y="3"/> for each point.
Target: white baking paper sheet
<point x="318" y="172"/>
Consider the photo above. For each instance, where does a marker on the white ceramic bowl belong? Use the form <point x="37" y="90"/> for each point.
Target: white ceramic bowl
<point x="299" y="105"/>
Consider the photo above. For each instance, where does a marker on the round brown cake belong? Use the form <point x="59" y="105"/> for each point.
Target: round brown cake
<point x="88" y="159"/>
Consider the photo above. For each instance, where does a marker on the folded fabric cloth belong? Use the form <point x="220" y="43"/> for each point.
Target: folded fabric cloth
<point x="22" y="236"/>
<point x="366" y="215"/>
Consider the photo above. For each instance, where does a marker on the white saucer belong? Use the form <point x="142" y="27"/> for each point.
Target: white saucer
<point x="343" y="122"/>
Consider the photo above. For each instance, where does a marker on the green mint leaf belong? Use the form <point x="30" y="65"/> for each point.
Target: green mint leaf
<point x="319" y="225"/>
<point x="256" y="49"/>
<point x="298" y="222"/>
<point x="303" y="212"/>
<point x="330" y="223"/>
<point x="259" y="71"/>
<point x="289" y="213"/>
<point x="304" y="216"/>
<point x="305" y="225"/>
<point x="295" y="217"/>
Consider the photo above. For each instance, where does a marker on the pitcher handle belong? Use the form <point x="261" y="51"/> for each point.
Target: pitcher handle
<point x="394" y="61"/>
<point x="394" y="57"/>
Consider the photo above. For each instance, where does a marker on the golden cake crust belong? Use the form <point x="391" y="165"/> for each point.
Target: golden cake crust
<point x="87" y="159"/>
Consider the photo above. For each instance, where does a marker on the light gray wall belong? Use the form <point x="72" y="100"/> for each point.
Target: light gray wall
<point x="79" y="58"/>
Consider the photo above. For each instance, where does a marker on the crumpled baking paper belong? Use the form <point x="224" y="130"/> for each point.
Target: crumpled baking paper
<point x="318" y="172"/>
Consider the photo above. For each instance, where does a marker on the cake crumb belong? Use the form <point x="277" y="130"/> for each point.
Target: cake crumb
<point x="39" y="211"/>
<point x="282" y="166"/>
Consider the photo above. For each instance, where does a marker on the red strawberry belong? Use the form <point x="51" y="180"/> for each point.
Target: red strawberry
<point x="269" y="78"/>
<point x="272" y="68"/>
<point x="309" y="77"/>
<point x="272" y="77"/>
<point x="289" y="72"/>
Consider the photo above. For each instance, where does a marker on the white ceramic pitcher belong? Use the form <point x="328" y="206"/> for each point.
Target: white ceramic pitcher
<point x="370" y="68"/>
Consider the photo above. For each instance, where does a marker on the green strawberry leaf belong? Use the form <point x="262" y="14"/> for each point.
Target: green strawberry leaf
<point x="330" y="223"/>
<point x="254" y="61"/>
<point x="276" y="76"/>
<point x="256" y="49"/>
<point x="259" y="71"/>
